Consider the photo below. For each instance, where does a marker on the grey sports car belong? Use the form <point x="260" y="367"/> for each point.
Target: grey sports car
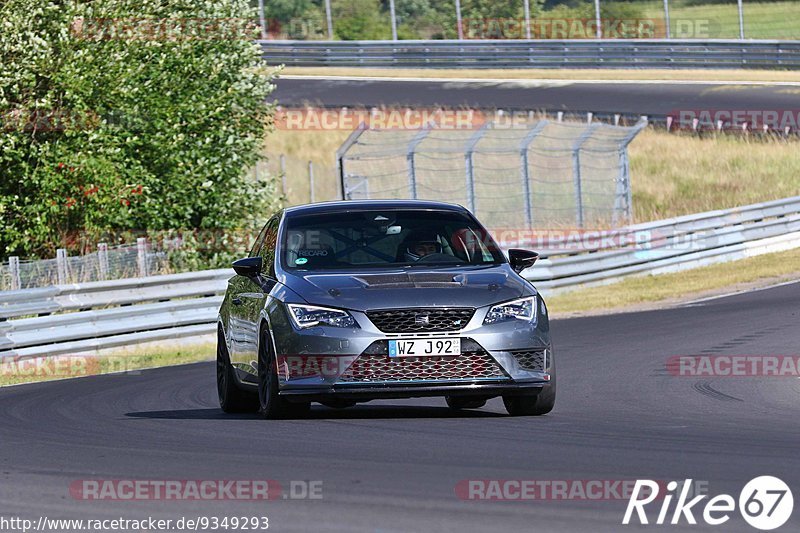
<point x="347" y="302"/>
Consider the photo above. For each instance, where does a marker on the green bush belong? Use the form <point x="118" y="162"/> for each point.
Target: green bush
<point x="111" y="122"/>
<point x="360" y="20"/>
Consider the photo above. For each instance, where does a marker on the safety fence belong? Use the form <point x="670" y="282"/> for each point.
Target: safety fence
<point x="106" y="263"/>
<point x="70" y="319"/>
<point x="521" y="19"/>
<point x="565" y="173"/>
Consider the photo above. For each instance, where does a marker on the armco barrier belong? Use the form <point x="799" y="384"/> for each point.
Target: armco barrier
<point x="90" y="316"/>
<point x="602" y="53"/>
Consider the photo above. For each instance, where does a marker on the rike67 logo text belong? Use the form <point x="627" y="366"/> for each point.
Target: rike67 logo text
<point x="765" y="503"/>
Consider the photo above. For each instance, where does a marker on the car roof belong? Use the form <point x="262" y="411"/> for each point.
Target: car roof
<point x="359" y="205"/>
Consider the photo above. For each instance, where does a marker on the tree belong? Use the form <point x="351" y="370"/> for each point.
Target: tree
<point x="128" y="114"/>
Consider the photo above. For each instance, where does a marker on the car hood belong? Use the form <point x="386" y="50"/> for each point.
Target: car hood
<point x="389" y="289"/>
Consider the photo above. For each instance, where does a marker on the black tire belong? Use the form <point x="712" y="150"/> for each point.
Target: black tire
<point x="541" y="404"/>
<point x="464" y="402"/>
<point x="232" y="399"/>
<point x="271" y="405"/>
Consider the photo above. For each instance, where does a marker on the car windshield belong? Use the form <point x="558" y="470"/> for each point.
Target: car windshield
<point x="390" y="238"/>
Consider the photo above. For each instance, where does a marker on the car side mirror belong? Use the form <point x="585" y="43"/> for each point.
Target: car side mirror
<point x="521" y="259"/>
<point x="248" y="267"/>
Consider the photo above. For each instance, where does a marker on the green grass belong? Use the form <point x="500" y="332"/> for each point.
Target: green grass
<point x="129" y="361"/>
<point x="698" y="282"/>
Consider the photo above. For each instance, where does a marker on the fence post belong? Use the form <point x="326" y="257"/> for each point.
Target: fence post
<point x="597" y="19"/>
<point x="393" y="15"/>
<point x="741" y="20"/>
<point x="13" y="267"/>
<point x="527" y="11"/>
<point x="459" y="21"/>
<point x="102" y="260"/>
<point x="624" y="191"/>
<point x="468" y="151"/>
<point x="141" y="256"/>
<point x="666" y="19"/>
<point x="410" y="160"/>
<point x="576" y="172"/>
<point x="526" y="181"/>
<point x="282" y="160"/>
<point x="340" y="153"/>
<point x="61" y="266"/>
<point x="311" y="195"/>
<point x="329" y="18"/>
<point x="262" y="21"/>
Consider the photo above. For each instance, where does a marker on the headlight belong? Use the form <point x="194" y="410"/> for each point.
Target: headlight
<point x="307" y="316"/>
<point x="522" y="309"/>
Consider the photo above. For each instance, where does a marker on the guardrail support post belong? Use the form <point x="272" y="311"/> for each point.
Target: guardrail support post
<point x="61" y="266"/>
<point x="468" y="163"/>
<point x="141" y="256"/>
<point x="13" y="267"/>
<point x="526" y="181"/>
<point x="102" y="261"/>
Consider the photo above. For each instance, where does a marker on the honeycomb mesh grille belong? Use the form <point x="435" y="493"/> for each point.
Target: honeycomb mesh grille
<point x="369" y="368"/>
<point x="414" y="321"/>
<point x="530" y="360"/>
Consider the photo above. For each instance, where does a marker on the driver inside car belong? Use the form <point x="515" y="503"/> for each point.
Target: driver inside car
<point x="419" y="245"/>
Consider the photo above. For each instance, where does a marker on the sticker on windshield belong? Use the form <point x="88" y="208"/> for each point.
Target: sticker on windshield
<point x="301" y="261"/>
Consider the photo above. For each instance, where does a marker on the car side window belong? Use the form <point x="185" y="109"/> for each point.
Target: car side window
<point x="259" y="242"/>
<point x="268" y="246"/>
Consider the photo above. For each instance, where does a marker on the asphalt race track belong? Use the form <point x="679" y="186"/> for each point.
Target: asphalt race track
<point x="630" y="98"/>
<point x="394" y="465"/>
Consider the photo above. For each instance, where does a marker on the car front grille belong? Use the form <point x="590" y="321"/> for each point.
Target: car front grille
<point x="530" y="360"/>
<point x="382" y="368"/>
<point x="421" y="319"/>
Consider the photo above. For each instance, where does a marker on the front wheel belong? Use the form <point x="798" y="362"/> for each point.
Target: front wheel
<point x="271" y="405"/>
<point x="541" y="404"/>
<point x="232" y="399"/>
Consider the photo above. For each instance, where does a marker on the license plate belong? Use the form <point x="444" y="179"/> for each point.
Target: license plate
<point x="424" y="347"/>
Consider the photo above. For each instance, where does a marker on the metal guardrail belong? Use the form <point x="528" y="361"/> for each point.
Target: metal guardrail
<point x="602" y="53"/>
<point x="86" y="317"/>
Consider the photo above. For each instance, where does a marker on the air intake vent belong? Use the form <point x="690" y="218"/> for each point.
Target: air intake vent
<point x="421" y="320"/>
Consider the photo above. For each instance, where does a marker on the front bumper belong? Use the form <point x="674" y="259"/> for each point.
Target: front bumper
<point x="512" y="357"/>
